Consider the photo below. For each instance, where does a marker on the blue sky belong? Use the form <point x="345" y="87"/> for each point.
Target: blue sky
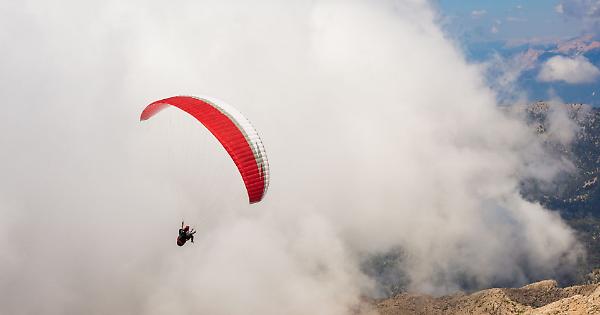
<point x="485" y="20"/>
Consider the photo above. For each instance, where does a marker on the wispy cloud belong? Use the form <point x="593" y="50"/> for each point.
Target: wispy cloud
<point x="515" y="19"/>
<point x="478" y="13"/>
<point x="504" y="72"/>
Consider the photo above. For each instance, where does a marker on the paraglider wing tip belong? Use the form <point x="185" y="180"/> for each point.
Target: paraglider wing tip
<point x="145" y="115"/>
<point x="152" y="109"/>
<point x="253" y="201"/>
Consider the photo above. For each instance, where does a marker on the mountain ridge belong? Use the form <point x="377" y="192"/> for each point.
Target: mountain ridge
<point x="544" y="297"/>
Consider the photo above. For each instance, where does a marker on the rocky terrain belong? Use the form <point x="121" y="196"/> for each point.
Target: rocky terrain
<point x="576" y="194"/>
<point x="543" y="297"/>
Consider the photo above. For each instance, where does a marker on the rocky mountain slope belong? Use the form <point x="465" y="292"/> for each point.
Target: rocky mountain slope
<point x="575" y="195"/>
<point x="543" y="297"/>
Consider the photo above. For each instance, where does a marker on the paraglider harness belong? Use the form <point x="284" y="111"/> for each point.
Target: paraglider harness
<point x="185" y="234"/>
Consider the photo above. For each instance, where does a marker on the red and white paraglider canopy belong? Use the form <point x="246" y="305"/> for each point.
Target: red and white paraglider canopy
<point x="235" y="133"/>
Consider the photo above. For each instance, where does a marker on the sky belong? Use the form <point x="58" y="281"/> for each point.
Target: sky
<point x="381" y="138"/>
<point x="508" y="20"/>
<point x="500" y="34"/>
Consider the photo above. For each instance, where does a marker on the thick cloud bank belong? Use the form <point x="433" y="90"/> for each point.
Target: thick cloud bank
<point x="380" y="137"/>
<point x="571" y="70"/>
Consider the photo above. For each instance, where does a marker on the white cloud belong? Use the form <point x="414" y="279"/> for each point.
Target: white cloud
<point x="515" y="19"/>
<point x="494" y="29"/>
<point x="571" y="70"/>
<point x="478" y="13"/>
<point x="559" y="8"/>
<point x="560" y="127"/>
<point x="380" y="136"/>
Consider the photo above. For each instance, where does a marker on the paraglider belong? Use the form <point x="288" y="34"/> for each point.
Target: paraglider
<point x="185" y="234"/>
<point x="234" y="132"/>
